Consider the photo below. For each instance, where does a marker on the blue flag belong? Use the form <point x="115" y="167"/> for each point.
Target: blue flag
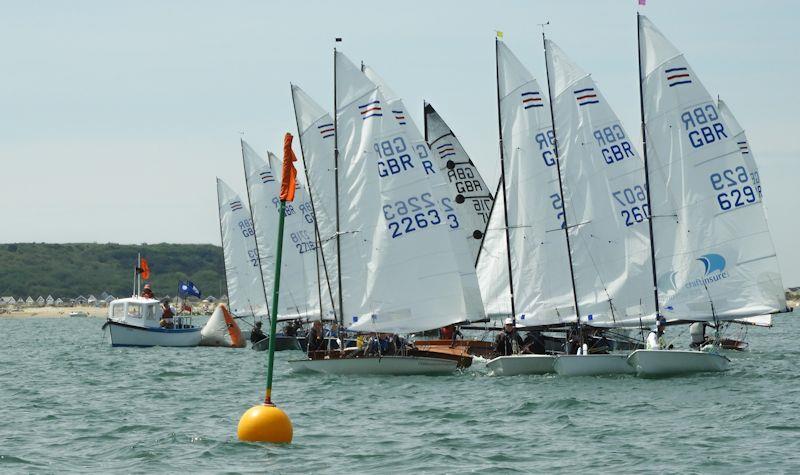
<point x="188" y="288"/>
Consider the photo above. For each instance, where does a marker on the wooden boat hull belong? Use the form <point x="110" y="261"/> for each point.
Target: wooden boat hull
<point x="592" y="365"/>
<point x="654" y="363"/>
<point x="130" y="335"/>
<point x="386" y="365"/>
<point x="282" y="343"/>
<point x="521" y="364"/>
<point x="471" y="347"/>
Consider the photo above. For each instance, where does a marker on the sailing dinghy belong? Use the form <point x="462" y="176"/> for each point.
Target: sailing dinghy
<point x="523" y="263"/>
<point x="715" y="258"/>
<point x="386" y="213"/>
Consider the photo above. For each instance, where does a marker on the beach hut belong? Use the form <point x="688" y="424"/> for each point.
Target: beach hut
<point x="28" y="301"/>
<point x="8" y="300"/>
<point x="40" y="301"/>
<point x="49" y="301"/>
<point x="80" y="300"/>
<point x="92" y="301"/>
<point x="108" y="299"/>
<point x="59" y="302"/>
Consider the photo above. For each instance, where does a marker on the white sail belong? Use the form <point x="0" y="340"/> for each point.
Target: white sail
<point x="316" y="133"/>
<point x="461" y="237"/>
<point x="245" y="287"/>
<point x="540" y="265"/>
<point x="492" y="263"/>
<point x="299" y="293"/>
<point x="605" y="199"/>
<point x="467" y="188"/>
<point x="399" y="271"/>
<point x="714" y="254"/>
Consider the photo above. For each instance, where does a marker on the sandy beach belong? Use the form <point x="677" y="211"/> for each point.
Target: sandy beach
<point x="50" y="312"/>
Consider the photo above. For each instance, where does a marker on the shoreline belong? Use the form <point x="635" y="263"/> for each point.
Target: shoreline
<point x="55" y="312"/>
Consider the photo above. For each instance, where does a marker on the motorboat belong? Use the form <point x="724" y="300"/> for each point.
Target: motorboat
<point x="135" y="321"/>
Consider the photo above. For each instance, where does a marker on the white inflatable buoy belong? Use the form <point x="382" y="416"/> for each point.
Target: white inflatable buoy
<point x="222" y="330"/>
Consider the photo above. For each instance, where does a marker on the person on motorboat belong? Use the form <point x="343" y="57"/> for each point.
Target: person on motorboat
<point x="147" y="292"/>
<point x="166" y="315"/>
<point x="508" y="341"/>
<point x="315" y="338"/>
<point x="655" y="340"/>
<point x="533" y="343"/>
<point x="697" y="330"/>
<point x="256" y="334"/>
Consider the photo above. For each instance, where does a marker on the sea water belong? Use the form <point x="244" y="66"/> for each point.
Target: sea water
<point x="69" y="402"/>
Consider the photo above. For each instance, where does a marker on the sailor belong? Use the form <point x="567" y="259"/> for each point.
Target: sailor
<point x="166" y="314"/>
<point x="698" y="332"/>
<point x="314" y="338"/>
<point x="655" y="340"/>
<point x="533" y="343"/>
<point x="450" y="332"/>
<point x="147" y="292"/>
<point x="256" y="334"/>
<point x="508" y="342"/>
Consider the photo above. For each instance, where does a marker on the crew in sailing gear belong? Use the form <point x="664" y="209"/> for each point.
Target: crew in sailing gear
<point x="508" y="342"/>
<point x="655" y="340"/>
<point x="314" y="338"/>
<point x="256" y="334"/>
<point x="698" y="332"/>
<point x="534" y="343"/>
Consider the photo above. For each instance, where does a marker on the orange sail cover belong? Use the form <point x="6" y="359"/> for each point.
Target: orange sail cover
<point x="288" y="173"/>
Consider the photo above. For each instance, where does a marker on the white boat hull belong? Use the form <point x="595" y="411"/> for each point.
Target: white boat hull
<point x="394" y="365"/>
<point x="521" y="364"/>
<point x="592" y="365"/>
<point x="130" y="335"/>
<point x="672" y="362"/>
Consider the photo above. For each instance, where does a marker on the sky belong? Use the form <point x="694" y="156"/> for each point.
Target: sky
<point x="116" y="117"/>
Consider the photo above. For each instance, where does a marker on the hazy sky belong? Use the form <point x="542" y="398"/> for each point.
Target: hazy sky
<point x="115" y="117"/>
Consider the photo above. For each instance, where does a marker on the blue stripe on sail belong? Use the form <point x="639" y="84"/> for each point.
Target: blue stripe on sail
<point x="533" y="105"/>
<point x="444" y="145"/>
<point x="324" y="126"/>
<point x="672" y="70"/>
<point x="588" y="102"/>
<point x="369" y="104"/>
<point x="679" y="83"/>
<point x="374" y="114"/>
<point x="588" y="89"/>
<point x="449" y="154"/>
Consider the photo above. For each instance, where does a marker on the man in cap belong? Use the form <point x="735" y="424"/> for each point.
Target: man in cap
<point x="655" y="340"/>
<point x="508" y="342"/>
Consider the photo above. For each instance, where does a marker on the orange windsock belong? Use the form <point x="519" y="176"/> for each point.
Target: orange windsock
<point x="288" y="174"/>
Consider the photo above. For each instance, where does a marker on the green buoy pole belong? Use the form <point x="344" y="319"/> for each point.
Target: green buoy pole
<point x="276" y="290"/>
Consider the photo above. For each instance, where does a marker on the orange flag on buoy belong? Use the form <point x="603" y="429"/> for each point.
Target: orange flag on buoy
<point x="288" y="173"/>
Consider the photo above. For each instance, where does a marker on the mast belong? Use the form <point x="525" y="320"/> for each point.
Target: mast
<point x="561" y="190"/>
<point x="503" y="178"/>
<point x="644" y="157"/>
<point x="336" y="186"/>
<point x="255" y="234"/>
<point x="320" y="251"/>
<point x="222" y="243"/>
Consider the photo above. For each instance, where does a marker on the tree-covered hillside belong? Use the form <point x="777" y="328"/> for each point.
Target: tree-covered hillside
<point x="69" y="270"/>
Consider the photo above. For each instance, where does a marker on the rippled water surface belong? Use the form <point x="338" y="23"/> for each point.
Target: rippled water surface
<point x="70" y="402"/>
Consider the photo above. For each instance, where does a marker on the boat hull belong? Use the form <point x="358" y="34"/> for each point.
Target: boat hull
<point x="654" y="363"/>
<point x="521" y="364"/>
<point x="130" y="335"/>
<point x="592" y="365"/>
<point x="386" y="365"/>
<point x="282" y="343"/>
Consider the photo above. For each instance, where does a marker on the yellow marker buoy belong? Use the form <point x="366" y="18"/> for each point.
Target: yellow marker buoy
<point x="265" y="423"/>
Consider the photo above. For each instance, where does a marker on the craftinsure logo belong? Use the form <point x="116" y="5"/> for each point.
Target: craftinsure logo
<point x="713" y="271"/>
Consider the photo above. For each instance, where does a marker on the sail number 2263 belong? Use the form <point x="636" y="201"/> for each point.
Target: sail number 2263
<point x="417" y="213"/>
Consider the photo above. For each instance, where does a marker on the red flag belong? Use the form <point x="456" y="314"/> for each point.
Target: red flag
<point x="288" y="174"/>
<point x="143" y="269"/>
